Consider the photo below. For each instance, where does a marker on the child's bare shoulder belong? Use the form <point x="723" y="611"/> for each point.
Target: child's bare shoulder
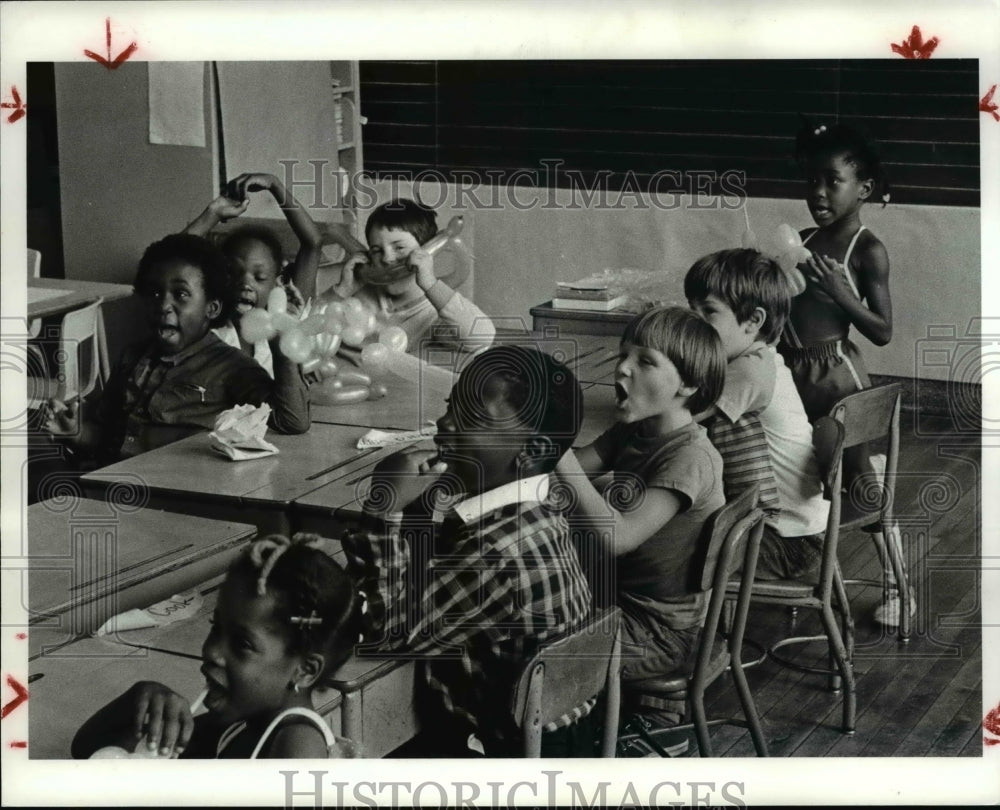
<point x="870" y="254"/>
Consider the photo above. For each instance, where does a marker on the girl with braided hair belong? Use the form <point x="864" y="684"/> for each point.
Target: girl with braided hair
<point x="287" y="615"/>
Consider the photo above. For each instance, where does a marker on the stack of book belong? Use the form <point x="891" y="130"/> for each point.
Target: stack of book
<point x="588" y="294"/>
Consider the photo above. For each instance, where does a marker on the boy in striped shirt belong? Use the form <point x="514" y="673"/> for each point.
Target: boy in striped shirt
<point x="462" y="559"/>
<point x="758" y="424"/>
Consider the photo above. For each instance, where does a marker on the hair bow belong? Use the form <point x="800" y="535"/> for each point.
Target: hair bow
<point x="784" y="248"/>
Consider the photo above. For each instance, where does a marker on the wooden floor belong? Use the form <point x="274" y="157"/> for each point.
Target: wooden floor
<point x="919" y="699"/>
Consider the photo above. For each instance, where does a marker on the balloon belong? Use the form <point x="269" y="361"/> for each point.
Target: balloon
<point x="363" y="319"/>
<point x="353" y="335"/>
<point x="256" y="325"/>
<point x="354" y="378"/>
<point x="374" y="357"/>
<point x="282" y="321"/>
<point x="749" y="239"/>
<point x="314" y="324"/>
<point x="353" y="305"/>
<point x="394" y="337"/>
<point x="295" y="345"/>
<point x="311" y="365"/>
<point x="336" y="307"/>
<point x="277" y="300"/>
<point x="327" y="368"/>
<point x="334" y="392"/>
<point x="787" y="236"/>
<point x="378" y="391"/>
<point x="334" y="322"/>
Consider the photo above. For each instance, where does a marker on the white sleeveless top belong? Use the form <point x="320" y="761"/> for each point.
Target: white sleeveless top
<point x="336" y="747"/>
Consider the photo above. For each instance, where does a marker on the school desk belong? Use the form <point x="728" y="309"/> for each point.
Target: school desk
<point x="87" y="560"/>
<point x="407" y="406"/>
<point x="585" y="322"/>
<point x="67" y="686"/>
<point x="52" y="296"/>
<point x="188" y="476"/>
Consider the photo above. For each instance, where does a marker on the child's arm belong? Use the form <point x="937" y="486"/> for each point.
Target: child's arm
<point x="287" y="393"/>
<point x="222" y="208"/>
<point x="149" y="714"/>
<point x="310" y="240"/>
<point x="875" y="320"/>
<point x="64" y="421"/>
<point x="475" y="330"/>
<point x="632" y="527"/>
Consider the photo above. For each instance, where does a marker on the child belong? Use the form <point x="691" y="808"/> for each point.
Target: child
<point x="667" y="482"/>
<point x="422" y="304"/>
<point x="287" y="615"/>
<point x="480" y="589"/>
<point x="255" y="255"/>
<point x="847" y="284"/>
<point x="176" y="383"/>
<point x="746" y="297"/>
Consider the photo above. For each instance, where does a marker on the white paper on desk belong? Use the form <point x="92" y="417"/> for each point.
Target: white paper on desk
<point x="383" y="438"/>
<point x="241" y="449"/>
<point x="178" y="607"/>
<point x="177" y="103"/>
<point x="239" y="433"/>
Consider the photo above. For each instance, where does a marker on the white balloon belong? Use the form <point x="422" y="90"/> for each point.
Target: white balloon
<point x="282" y="321"/>
<point x="256" y="325"/>
<point x="374" y="357"/>
<point x="353" y="305"/>
<point x="295" y="345"/>
<point x="393" y="337"/>
<point x="314" y="324"/>
<point x="352" y="336"/>
<point x="277" y="300"/>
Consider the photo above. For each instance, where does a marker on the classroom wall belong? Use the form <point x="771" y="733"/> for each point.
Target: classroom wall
<point x="119" y="192"/>
<point x="523" y="248"/>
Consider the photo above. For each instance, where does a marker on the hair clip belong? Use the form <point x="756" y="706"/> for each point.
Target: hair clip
<point x="311" y="620"/>
<point x="820" y="129"/>
<point x="273" y="546"/>
<point x="885" y="198"/>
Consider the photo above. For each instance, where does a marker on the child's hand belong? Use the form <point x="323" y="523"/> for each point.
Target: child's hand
<point x="348" y="284"/>
<point x="240" y="187"/>
<point x="162" y="719"/>
<point x="296" y="303"/>
<point x="60" y="419"/>
<point x="423" y="264"/>
<point x="400" y="479"/>
<point x="829" y="274"/>
<point x="224" y="208"/>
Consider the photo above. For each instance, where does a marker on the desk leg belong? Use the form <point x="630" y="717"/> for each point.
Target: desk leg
<point x="350" y="716"/>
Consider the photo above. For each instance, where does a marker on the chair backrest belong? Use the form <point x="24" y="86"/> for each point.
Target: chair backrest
<point x="869" y="414"/>
<point x="567" y="673"/>
<point x="79" y="328"/>
<point x="34" y="264"/>
<point x="734" y="532"/>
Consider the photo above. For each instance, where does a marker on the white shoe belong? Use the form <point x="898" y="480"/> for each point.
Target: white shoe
<point x="888" y="612"/>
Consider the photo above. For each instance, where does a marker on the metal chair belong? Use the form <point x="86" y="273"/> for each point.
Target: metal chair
<point x="827" y="595"/>
<point x="564" y="678"/>
<point x="734" y="533"/>
<point x="870" y="415"/>
<point x="80" y="358"/>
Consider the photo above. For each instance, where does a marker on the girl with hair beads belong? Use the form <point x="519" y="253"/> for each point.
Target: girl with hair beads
<point x="287" y="615"/>
<point x="847" y="284"/>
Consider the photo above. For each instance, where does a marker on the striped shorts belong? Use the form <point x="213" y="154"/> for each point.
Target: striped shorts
<point x="825" y="373"/>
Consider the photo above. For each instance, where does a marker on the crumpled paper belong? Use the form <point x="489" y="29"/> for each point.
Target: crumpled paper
<point x="383" y="438"/>
<point x="239" y="433"/>
<point x="178" y="607"/>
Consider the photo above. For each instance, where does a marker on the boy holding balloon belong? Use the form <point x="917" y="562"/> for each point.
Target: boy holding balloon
<point x="399" y="286"/>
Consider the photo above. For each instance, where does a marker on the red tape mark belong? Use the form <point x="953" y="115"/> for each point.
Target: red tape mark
<point x="16" y="104"/>
<point x="914" y="47"/>
<point x="991" y="724"/>
<point x="18" y="744"/>
<point x="22" y="695"/>
<point x="988" y="105"/>
<point x="21" y="636"/>
<point x="108" y="62"/>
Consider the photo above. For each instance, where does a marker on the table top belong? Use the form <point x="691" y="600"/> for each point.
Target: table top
<point x="81" y="551"/>
<point x="51" y="296"/>
<point x="407" y="406"/>
<point x="189" y="468"/>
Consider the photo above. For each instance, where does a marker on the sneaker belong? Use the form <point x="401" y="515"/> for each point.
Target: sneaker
<point x="637" y="733"/>
<point x="888" y="612"/>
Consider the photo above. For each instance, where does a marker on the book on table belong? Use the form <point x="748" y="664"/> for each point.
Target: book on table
<point x="592" y="304"/>
<point x="593" y="293"/>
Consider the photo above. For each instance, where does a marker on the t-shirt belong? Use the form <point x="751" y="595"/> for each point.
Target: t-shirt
<point x="668" y="564"/>
<point x="758" y="381"/>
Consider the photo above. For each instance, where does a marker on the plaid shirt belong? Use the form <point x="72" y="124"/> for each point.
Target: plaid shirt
<point x="476" y="592"/>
